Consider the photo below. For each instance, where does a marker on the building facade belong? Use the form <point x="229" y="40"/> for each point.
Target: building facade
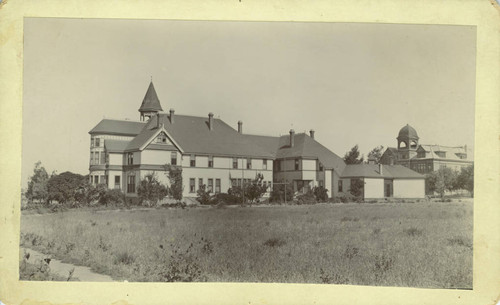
<point x="210" y="153"/>
<point x="424" y="158"/>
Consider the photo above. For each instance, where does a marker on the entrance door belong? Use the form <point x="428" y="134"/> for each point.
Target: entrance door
<point x="388" y="188"/>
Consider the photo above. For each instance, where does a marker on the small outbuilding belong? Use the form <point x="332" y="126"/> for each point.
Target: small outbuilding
<point x="382" y="181"/>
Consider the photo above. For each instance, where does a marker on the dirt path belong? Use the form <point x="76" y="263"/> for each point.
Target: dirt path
<point x="81" y="273"/>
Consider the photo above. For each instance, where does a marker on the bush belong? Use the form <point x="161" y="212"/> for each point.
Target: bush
<point x="278" y="193"/>
<point x="203" y="196"/>
<point x="307" y="198"/>
<point x="174" y="174"/>
<point x="320" y="193"/>
<point x="112" y="197"/>
<point x="151" y="191"/>
<point x="357" y="188"/>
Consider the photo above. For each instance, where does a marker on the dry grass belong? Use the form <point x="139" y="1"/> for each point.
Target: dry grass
<point x="416" y="245"/>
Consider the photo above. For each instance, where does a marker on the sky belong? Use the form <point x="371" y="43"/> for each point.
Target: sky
<point x="353" y="83"/>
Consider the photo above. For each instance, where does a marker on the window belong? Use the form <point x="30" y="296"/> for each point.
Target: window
<point x="103" y="158"/>
<point x="191" y="185"/>
<point x="249" y="163"/>
<point x="200" y="183"/>
<point x="296" y="164"/>
<point x="217" y="186"/>
<point x="235" y="162"/>
<point x="264" y="164"/>
<point x="278" y="166"/>
<point x="96" y="179"/>
<point x="97" y="142"/>
<point x="103" y="179"/>
<point x="130" y="158"/>
<point x="210" y="161"/>
<point x="340" y="186"/>
<point x="117" y="182"/>
<point x="91" y="157"/>
<point x="321" y="183"/>
<point x="210" y="185"/>
<point x="162" y="138"/>
<point x="234" y="182"/>
<point x="192" y="161"/>
<point x="173" y="158"/>
<point x="131" y="184"/>
<point x="320" y="167"/>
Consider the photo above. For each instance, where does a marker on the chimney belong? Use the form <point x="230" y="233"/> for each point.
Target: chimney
<point x="311" y="132"/>
<point x="240" y="126"/>
<point x="380" y="169"/>
<point x="292" y="135"/>
<point x="172" y="112"/>
<point x="211" y="121"/>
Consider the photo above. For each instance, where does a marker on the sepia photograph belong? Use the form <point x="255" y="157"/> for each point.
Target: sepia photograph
<point x="258" y="152"/>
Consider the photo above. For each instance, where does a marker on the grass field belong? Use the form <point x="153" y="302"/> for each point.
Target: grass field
<point x="399" y="244"/>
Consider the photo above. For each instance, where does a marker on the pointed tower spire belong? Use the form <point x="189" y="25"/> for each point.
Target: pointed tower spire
<point x="150" y="104"/>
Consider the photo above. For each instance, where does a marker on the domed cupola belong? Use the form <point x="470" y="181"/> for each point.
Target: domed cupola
<point x="407" y="138"/>
<point x="150" y="104"/>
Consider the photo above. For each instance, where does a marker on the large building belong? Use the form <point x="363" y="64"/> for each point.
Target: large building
<point x="212" y="153"/>
<point x="425" y="158"/>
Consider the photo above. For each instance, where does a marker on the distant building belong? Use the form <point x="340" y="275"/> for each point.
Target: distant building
<point x="212" y="153"/>
<point x="424" y="158"/>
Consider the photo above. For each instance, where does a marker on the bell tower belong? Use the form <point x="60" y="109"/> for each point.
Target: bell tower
<point x="407" y="143"/>
<point x="150" y="104"/>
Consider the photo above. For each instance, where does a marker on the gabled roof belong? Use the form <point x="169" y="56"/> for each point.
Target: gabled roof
<point x="118" y="146"/>
<point x="150" y="101"/>
<point x="373" y="171"/>
<point x="194" y="136"/>
<point x="118" y="127"/>
<point x="306" y="147"/>
<point x="452" y="153"/>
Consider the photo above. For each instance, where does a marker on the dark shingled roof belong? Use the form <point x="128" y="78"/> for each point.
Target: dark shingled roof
<point x="151" y="101"/>
<point x="306" y="147"/>
<point x="115" y="145"/>
<point x="193" y="135"/>
<point x="372" y="171"/>
<point x="118" y="127"/>
<point x="408" y="132"/>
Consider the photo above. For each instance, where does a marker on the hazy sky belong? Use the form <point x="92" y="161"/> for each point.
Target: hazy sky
<point x="352" y="83"/>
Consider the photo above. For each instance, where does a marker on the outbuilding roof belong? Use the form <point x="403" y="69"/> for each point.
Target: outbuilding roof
<point x="373" y="171"/>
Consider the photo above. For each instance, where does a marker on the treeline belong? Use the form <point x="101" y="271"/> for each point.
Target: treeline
<point x="448" y="180"/>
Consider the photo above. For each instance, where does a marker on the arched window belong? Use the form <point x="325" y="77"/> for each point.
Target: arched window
<point x="403" y="144"/>
<point x="413" y="145"/>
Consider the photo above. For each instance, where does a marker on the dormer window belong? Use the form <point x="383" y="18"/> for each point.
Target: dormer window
<point x="130" y="158"/>
<point x="441" y="154"/>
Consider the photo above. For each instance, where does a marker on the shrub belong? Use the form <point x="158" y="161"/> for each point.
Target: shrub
<point x="307" y="198"/>
<point x="174" y="174"/>
<point x="357" y="187"/>
<point x="279" y="192"/>
<point x="320" y="193"/>
<point x="151" y="191"/>
<point x="203" y="196"/>
<point x="111" y="197"/>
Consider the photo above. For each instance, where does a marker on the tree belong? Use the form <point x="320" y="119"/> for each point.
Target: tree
<point x="465" y="179"/>
<point x="441" y="181"/>
<point x="320" y="193"/>
<point x="37" y="184"/>
<point x="203" y="195"/>
<point x="64" y="187"/>
<point x="352" y="157"/>
<point x="357" y="188"/>
<point x="376" y="153"/>
<point x="150" y="190"/>
<point x="174" y="174"/>
<point x="251" y="192"/>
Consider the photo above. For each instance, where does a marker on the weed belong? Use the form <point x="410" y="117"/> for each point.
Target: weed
<point x="383" y="263"/>
<point x="102" y="245"/>
<point x="459" y="241"/>
<point x="332" y="278"/>
<point x="376" y="231"/>
<point x="350" y="252"/>
<point x="413" y="231"/>
<point x="207" y="247"/>
<point x="347" y="218"/>
<point x="275" y="242"/>
<point x="124" y="258"/>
